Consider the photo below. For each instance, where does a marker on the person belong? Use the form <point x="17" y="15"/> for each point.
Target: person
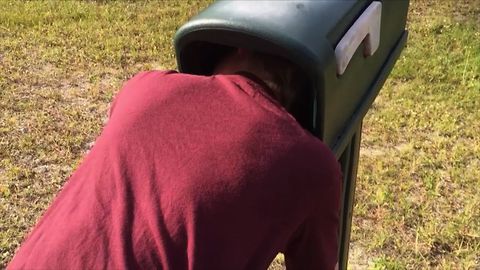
<point x="197" y="172"/>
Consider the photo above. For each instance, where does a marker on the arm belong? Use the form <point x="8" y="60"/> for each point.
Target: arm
<point x="315" y="245"/>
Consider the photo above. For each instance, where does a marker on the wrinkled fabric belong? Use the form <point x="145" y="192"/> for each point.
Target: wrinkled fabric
<point x="193" y="172"/>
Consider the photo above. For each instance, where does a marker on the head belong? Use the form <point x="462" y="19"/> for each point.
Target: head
<point x="284" y="79"/>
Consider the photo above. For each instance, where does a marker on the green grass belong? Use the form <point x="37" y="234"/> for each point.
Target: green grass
<point x="419" y="176"/>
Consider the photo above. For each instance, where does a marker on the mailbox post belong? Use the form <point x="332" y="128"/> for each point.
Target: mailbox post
<point x="347" y="49"/>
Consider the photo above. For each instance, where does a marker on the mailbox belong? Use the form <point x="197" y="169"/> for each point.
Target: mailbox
<point x="346" y="49"/>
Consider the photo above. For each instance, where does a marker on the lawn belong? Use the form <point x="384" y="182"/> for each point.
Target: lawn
<point x="417" y="203"/>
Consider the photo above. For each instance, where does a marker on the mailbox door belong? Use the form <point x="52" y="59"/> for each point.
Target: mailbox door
<point x="346" y="98"/>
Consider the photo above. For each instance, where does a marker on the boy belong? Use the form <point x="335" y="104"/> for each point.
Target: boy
<point x="198" y="172"/>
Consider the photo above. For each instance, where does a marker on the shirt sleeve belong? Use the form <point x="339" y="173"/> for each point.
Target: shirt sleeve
<point x="315" y="244"/>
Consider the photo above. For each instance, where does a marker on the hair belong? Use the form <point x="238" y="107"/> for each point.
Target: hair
<point x="283" y="78"/>
<point x="288" y="83"/>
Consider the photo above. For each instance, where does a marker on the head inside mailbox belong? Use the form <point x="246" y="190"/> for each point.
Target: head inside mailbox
<point x="345" y="48"/>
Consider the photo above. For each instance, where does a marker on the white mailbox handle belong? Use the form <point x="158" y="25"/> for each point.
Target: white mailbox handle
<point x="366" y="27"/>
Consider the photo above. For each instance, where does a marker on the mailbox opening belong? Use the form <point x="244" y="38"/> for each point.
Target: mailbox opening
<point x="203" y="56"/>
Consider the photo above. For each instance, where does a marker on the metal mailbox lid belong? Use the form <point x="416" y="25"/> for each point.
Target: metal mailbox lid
<point x="302" y="31"/>
<point x="306" y="33"/>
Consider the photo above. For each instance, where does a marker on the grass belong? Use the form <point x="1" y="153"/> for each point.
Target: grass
<point x="419" y="176"/>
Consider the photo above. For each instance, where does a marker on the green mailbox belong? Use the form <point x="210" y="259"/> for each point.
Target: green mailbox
<point x="346" y="49"/>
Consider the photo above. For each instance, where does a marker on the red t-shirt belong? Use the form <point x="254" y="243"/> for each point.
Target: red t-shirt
<point x="193" y="172"/>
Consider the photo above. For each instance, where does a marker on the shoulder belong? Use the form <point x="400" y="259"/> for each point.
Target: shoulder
<point x="151" y="75"/>
<point x="166" y="77"/>
<point x="146" y="78"/>
<point x="151" y="86"/>
<point x="318" y="157"/>
<point x="318" y="166"/>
